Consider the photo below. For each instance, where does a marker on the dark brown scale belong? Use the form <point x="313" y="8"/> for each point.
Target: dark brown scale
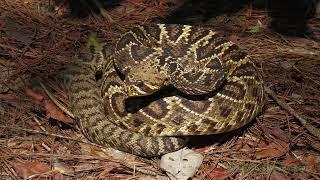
<point x="205" y="52"/>
<point x="178" y="120"/>
<point x="121" y="125"/>
<point x="117" y="104"/>
<point x="217" y="41"/>
<point x="137" y="122"/>
<point x="192" y="76"/>
<point x="176" y="51"/>
<point x="225" y="111"/>
<point x="237" y="56"/>
<point x="197" y="34"/>
<point x="123" y="42"/>
<point x="140" y="36"/>
<point x="249" y="106"/>
<point x="238" y="95"/>
<point x="206" y="121"/>
<point x="246" y="69"/>
<point x="198" y="106"/>
<point x="239" y="116"/>
<point x="159" y="128"/>
<point x="254" y="92"/>
<point x="157" y="109"/>
<point x="212" y="126"/>
<point x="153" y="31"/>
<point x="192" y="127"/>
<point x="123" y="60"/>
<point x="139" y="53"/>
<point x="174" y="32"/>
<point x="214" y="64"/>
<point x="146" y="130"/>
<point x="213" y="81"/>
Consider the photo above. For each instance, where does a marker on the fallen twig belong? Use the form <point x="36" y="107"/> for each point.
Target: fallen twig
<point x="56" y="101"/>
<point x="313" y="130"/>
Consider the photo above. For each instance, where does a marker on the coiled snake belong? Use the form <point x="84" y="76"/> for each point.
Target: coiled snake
<point x="194" y="80"/>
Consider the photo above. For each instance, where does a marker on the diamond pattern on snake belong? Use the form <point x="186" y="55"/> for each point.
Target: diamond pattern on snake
<point x="188" y="80"/>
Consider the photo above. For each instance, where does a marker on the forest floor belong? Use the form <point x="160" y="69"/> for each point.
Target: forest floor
<point x="39" y="141"/>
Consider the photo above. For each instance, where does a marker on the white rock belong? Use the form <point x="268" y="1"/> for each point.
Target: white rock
<point x="182" y="164"/>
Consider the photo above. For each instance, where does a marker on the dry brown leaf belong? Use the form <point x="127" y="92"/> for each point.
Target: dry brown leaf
<point x="262" y="144"/>
<point x="315" y="145"/>
<point x="25" y="169"/>
<point x="218" y="173"/>
<point x="87" y="149"/>
<point x="312" y="163"/>
<point x="246" y="148"/>
<point x="234" y="39"/>
<point x="55" y="112"/>
<point x="274" y="149"/>
<point x="63" y="167"/>
<point x="18" y="31"/>
<point x="58" y="176"/>
<point x="39" y="148"/>
<point x="87" y="166"/>
<point x="108" y="166"/>
<point x="291" y="162"/>
<point x="201" y="150"/>
<point x="37" y="98"/>
<point x="8" y="96"/>
<point x="276" y="175"/>
<point x="279" y="133"/>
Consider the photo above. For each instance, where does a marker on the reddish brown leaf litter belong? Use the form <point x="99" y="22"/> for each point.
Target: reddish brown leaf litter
<point x="37" y="140"/>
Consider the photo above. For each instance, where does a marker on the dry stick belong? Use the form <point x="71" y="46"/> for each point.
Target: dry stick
<point x="313" y="130"/>
<point x="56" y="101"/>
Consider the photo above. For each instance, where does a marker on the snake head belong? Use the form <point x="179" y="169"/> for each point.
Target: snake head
<point x="138" y="87"/>
<point x="143" y="79"/>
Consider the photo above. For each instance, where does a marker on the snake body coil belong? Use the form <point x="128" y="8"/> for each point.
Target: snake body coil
<point x="206" y="85"/>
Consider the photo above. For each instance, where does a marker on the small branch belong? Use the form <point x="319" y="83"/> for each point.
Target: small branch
<point x="56" y="101"/>
<point x="313" y="130"/>
<point x="139" y="169"/>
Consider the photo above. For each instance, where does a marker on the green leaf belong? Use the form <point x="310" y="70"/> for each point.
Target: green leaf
<point x="256" y="28"/>
<point x="93" y="42"/>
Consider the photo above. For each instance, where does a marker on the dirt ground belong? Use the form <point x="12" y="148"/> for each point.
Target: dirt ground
<point x="39" y="141"/>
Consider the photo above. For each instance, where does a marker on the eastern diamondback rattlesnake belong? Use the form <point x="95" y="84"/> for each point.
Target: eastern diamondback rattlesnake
<point x="195" y="81"/>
